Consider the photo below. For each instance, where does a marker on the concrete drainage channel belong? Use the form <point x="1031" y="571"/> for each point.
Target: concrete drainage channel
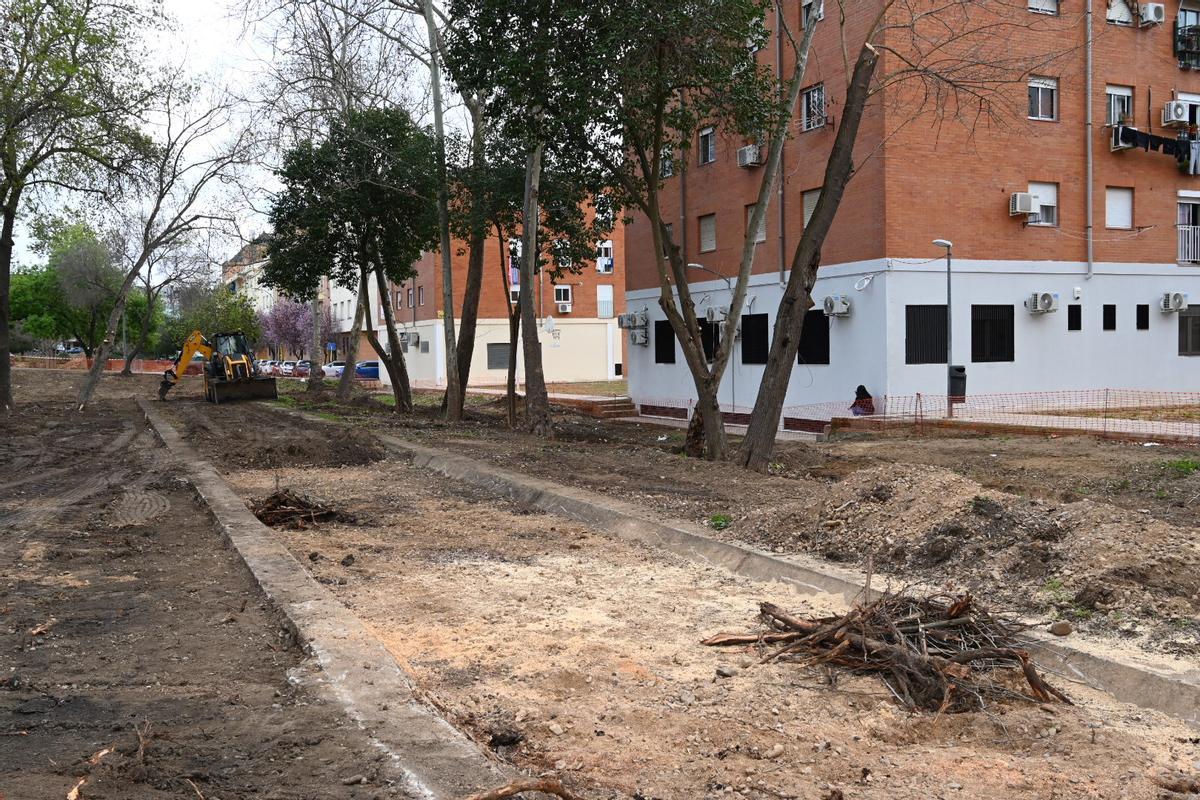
<point x="437" y="760"/>
<point x="1172" y="691"/>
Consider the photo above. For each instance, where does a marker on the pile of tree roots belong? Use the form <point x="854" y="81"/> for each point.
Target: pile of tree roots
<point x="937" y="653"/>
<point x="285" y="508"/>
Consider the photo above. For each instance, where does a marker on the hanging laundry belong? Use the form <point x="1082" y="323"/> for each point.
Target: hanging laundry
<point x="1194" y="165"/>
<point x="1127" y="135"/>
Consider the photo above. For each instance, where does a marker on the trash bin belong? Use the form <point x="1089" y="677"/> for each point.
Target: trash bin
<point x="958" y="383"/>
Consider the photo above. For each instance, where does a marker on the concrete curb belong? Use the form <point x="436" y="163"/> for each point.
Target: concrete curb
<point x="437" y="760"/>
<point x="1130" y="680"/>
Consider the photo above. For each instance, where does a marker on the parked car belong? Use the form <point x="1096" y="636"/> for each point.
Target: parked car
<point x="286" y="368"/>
<point x="334" y="369"/>
<point x="367" y="370"/>
<point x="301" y="369"/>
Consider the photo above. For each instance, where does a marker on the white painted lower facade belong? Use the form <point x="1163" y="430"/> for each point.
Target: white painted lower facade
<point x="586" y="349"/>
<point x="868" y="345"/>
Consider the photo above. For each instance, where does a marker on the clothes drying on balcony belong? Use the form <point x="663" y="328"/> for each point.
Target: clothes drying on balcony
<point x="1185" y="151"/>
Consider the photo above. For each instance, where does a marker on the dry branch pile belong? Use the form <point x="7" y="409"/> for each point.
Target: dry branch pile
<point x="295" y="511"/>
<point x="937" y="653"/>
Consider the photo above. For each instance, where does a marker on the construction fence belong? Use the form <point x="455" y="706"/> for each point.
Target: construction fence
<point x="154" y="366"/>
<point x="1128" y="414"/>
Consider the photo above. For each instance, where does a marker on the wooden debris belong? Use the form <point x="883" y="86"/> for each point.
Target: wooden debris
<point x="937" y="653"/>
<point x="77" y="790"/>
<point x="288" y="509"/>
<point x="544" y="785"/>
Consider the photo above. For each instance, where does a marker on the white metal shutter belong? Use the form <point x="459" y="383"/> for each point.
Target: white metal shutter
<point x="810" y="204"/>
<point x="1118" y="207"/>
<point x="708" y="233"/>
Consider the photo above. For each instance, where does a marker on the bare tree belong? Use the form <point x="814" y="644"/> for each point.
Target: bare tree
<point x="328" y="59"/>
<point x="198" y="148"/>
<point x="164" y="268"/>
<point x="946" y="61"/>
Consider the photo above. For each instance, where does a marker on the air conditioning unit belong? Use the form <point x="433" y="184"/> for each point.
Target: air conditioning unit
<point x="564" y="308"/>
<point x="638" y="336"/>
<point x="625" y="321"/>
<point x="1173" y="301"/>
<point x="836" y="305"/>
<point x="1022" y="203"/>
<point x="1153" y="13"/>
<point x="749" y="156"/>
<point x="640" y="319"/>
<point x="1116" y="143"/>
<point x="1175" y="112"/>
<point x="1042" y="302"/>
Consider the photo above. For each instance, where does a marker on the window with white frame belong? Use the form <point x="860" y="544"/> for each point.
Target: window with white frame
<point x="410" y="298"/>
<point x="666" y="163"/>
<point x="604" y="257"/>
<point x="420" y="295"/>
<point x="562" y="294"/>
<point x="1120" y="103"/>
<point x="1043" y="6"/>
<point x="812" y="107"/>
<point x="708" y="145"/>
<point x="1118" y="207"/>
<point x="708" y="233"/>
<point x="514" y="293"/>
<point x="760" y="235"/>
<point x="1043" y="98"/>
<point x="809" y="200"/>
<point x="1046" y="197"/>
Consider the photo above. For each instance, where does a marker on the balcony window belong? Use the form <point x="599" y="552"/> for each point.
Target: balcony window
<point x="604" y="257"/>
<point x="1043" y="6"/>
<point x="708" y="145"/>
<point x="1188" y="226"/>
<point x="1187" y="38"/>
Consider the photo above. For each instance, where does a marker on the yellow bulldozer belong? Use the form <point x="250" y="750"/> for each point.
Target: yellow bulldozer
<point x="229" y="369"/>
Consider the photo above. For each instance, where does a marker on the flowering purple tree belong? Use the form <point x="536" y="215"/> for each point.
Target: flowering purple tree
<point x="287" y="326"/>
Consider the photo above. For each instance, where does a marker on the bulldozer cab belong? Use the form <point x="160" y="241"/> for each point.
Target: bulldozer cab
<point x="231" y="344"/>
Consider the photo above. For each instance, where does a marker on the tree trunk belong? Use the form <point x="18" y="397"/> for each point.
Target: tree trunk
<point x="143" y="335"/>
<point x="474" y="282"/>
<point x="350" y="360"/>
<point x="7" y="404"/>
<point x="797" y="297"/>
<point x="454" y="389"/>
<point x="537" y="403"/>
<point x="397" y="369"/>
<point x="114" y="317"/>
<point x="316" y="373"/>
<point x="514" y="330"/>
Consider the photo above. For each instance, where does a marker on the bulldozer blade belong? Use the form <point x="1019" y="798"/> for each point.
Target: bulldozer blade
<point x="254" y="389"/>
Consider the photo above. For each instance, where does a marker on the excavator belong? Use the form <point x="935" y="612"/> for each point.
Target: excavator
<point x="229" y="369"/>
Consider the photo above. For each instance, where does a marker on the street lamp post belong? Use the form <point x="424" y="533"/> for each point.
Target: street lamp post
<point x="949" y="246"/>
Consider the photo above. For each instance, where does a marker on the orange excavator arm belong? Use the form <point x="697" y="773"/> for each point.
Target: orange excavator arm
<point x="195" y="343"/>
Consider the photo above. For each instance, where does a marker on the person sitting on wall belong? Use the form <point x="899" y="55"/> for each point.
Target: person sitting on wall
<point x="864" y="404"/>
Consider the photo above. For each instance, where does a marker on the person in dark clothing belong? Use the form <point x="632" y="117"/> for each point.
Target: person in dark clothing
<point x="864" y="404"/>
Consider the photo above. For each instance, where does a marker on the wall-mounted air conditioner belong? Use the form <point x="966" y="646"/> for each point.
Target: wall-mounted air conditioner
<point x="1153" y="13"/>
<point x="1116" y="143"/>
<point x="1175" y="113"/>
<point x="749" y="156"/>
<point x="1173" y="301"/>
<point x="836" y="305"/>
<point x="1042" y="302"/>
<point x="716" y="313"/>
<point x="564" y="308"/>
<point x="1022" y="203"/>
<point x="638" y="336"/>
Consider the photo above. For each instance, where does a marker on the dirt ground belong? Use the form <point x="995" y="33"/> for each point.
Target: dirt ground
<point x="566" y="651"/>
<point x="137" y="654"/>
<point x="1099" y="533"/>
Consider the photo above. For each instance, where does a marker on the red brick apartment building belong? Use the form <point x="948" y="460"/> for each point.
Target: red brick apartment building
<point x="1010" y="193"/>
<point x="577" y="316"/>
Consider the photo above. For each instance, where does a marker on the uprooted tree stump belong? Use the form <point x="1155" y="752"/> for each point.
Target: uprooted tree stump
<point x="935" y="653"/>
<point x="288" y="509"/>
